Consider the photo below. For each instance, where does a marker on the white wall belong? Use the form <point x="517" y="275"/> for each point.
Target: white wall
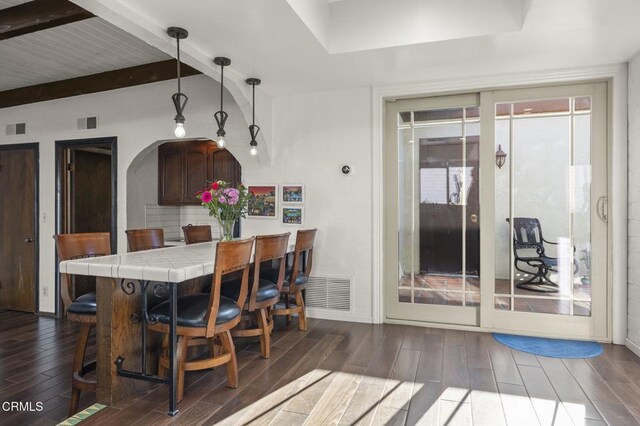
<point x="138" y="117"/>
<point x="633" y="276"/>
<point x="314" y="135"/>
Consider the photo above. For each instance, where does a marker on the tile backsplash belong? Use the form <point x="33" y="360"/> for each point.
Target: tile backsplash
<point x="173" y="218"/>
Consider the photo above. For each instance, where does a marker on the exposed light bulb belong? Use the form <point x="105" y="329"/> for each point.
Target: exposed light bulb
<point x="221" y="142"/>
<point x="253" y="150"/>
<point x="180" y="132"/>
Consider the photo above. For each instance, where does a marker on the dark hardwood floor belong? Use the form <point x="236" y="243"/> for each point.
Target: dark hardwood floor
<point x="340" y="373"/>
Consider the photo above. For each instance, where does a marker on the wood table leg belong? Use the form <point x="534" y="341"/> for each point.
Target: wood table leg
<point x="117" y="335"/>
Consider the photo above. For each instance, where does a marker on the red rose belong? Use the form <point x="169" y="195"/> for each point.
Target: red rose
<point x="215" y="186"/>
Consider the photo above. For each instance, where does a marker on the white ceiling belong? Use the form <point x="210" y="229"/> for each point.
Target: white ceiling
<point x="356" y="25"/>
<point x="270" y="40"/>
<point x="73" y="50"/>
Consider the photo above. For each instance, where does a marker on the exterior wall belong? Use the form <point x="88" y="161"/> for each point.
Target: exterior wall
<point x="633" y="308"/>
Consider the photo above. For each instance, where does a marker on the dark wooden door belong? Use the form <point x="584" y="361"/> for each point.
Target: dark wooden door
<point x="170" y="174"/>
<point x="89" y="199"/>
<point x="90" y="191"/>
<point x="18" y="229"/>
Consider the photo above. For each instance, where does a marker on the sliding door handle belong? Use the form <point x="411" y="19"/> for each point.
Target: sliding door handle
<point x="602" y="208"/>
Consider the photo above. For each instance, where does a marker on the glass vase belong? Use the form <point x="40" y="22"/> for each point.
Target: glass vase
<point x="226" y="229"/>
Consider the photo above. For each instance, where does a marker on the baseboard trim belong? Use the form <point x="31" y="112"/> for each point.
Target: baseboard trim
<point x="633" y="347"/>
<point x="330" y="314"/>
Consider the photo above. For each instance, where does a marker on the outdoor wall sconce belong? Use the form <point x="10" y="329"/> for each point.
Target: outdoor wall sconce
<point x="221" y="116"/>
<point x="179" y="99"/>
<point x="501" y="157"/>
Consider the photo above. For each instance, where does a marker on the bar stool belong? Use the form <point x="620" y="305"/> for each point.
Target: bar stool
<point x="81" y="309"/>
<point x="196" y="234"/>
<point x="263" y="292"/>
<point x="145" y="239"/>
<point x="208" y="316"/>
<point x="296" y="278"/>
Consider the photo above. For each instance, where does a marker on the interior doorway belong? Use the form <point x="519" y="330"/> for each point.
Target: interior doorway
<point x="86" y="193"/>
<point x="19" y="227"/>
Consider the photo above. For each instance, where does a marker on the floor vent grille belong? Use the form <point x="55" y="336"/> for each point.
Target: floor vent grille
<point x="329" y="293"/>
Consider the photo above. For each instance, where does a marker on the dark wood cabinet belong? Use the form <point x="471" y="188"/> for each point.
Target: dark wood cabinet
<point x="186" y="167"/>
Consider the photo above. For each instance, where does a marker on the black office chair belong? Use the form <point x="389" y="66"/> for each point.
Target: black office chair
<point x="527" y="237"/>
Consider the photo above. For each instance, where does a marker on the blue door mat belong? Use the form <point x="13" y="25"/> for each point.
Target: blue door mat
<point x="554" y="348"/>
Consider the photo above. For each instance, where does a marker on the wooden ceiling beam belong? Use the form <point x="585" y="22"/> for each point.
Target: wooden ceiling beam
<point x="110" y="80"/>
<point x="39" y="15"/>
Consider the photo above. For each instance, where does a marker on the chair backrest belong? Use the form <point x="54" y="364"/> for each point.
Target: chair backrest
<point x="231" y="256"/>
<point x="527" y="231"/>
<point x="79" y="246"/>
<point x="269" y="248"/>
<point x="303" y="254"/>
<point x="196" y="234"/>
<point x="145" y="239"/>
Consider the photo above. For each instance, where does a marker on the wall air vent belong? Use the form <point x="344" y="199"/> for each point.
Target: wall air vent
<point x="87" y="123"/>
<point x="16" y="129"/>
<point x="329" y="293"/>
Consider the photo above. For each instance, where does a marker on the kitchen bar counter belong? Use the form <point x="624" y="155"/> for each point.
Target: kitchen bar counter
<point x="124" y="351"/>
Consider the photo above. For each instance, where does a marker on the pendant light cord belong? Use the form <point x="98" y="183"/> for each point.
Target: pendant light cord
<point x="178" y="66"/>
<point x="221" y="85"/>
<point x="253" y="108"/>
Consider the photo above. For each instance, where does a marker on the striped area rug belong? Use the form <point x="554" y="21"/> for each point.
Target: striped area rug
<point x="82" y="415"/>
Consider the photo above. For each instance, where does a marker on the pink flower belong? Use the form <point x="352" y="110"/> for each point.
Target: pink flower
<point x="206" y="197"/>
<point x="229" y="196"/>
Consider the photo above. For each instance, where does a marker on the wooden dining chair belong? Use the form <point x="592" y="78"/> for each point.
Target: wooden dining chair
<point x="263" y="292"/>
<point x="296" y="278"/>
<point x="80" y="309"/>
<point x="145" y="239"/>
<point x="197" y="234"/>
<point x="210" y="316"/>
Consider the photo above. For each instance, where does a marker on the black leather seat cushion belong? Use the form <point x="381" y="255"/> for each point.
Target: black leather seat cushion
<point x="266" y="290"/>
<point x="192" y="310"/>
<point x="84" y="305"/>
<point x="272" y="275"/>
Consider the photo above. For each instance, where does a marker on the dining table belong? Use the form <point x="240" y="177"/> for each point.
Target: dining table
<point x="125" y="349"/>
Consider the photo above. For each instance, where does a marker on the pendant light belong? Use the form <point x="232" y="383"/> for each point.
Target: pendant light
<point x="179" y="98"/>
<point x="253" y="129"/>
<point x="221" y="116"/>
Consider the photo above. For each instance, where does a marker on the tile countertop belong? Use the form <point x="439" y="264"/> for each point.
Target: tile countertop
<point x="169" y="264"/>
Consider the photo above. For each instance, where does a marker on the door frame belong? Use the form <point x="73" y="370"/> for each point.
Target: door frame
<point x="35" y="147"/>
<point x="616" y="75"/>
<point x="61" y="145"/>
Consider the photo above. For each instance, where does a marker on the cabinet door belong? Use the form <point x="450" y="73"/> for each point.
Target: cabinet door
<point x="171" y="170"/>
<point x="226" y="167"/>
<point x="195" y="171"/>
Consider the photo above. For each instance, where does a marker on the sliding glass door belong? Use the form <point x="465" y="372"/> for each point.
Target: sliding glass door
<point x="433" y="159"/>
<point x="549" y="247"/>
<point x="496" y="210"/>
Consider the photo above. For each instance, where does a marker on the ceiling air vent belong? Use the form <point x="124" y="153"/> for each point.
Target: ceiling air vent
<point x="87" y="123"/>
<point x="329" y="293"/>
<point x="16" y="129"/>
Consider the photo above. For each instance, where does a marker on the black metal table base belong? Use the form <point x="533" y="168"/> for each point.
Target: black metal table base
<point x="128" y="286"/>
